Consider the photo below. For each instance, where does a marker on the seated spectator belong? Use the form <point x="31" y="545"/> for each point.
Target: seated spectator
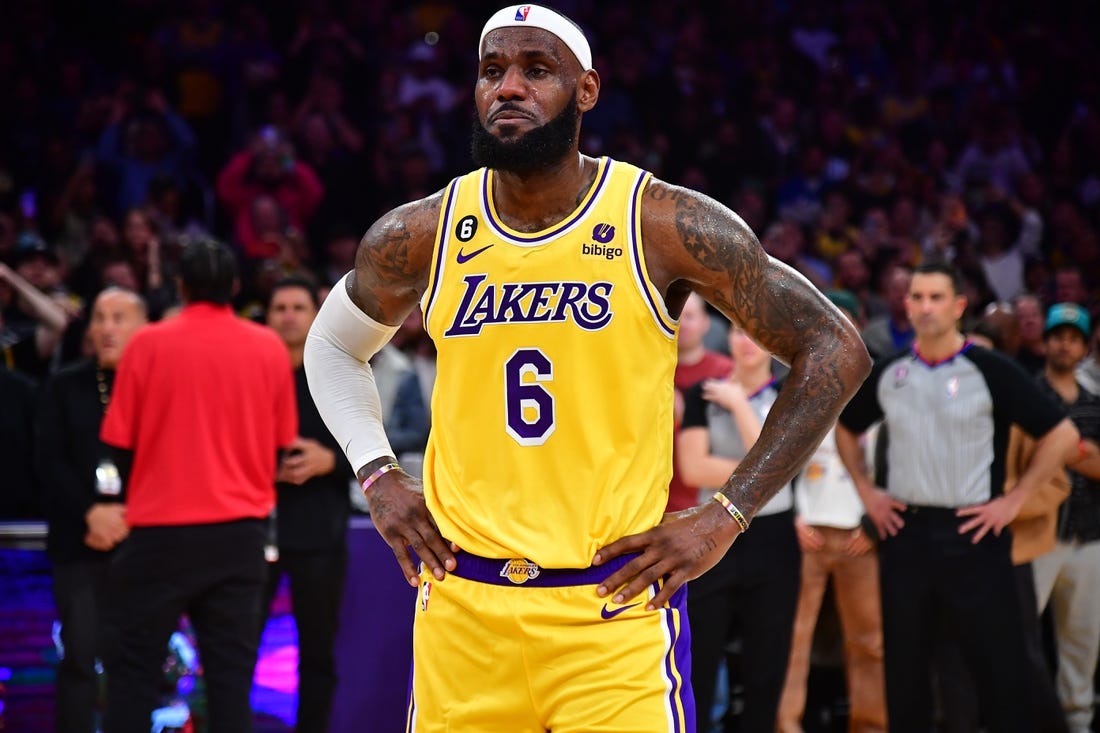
<point x="271" y="231"/>
<point x="428" y="95"/>
<point x="1032" y="350"/>
<point x="267" y="168"/>
<point x="72" y="215"/>
<point x="785" y="241"/>
<point x="120" y="273"/>
<point x="909" y="224"/>
<point x="32" y="321"/>
<point x="891" y="332"/>
<point x="339" y="255"/>
<point x="835" y="232"/>
<point x="145" y="138"/>
<point x="993" y="156"/>
<point x="324" y="103"/>
<point x="1075" y="243"/>
<point x="173" y="210"/>
<point x="1001" y="261"/>
<point x="952" y="231"/>
<point x="1071" y="286"/>
<point x="854" y="276"/>
<point x="1000" y="323"/>
<point x="799" y="197"/>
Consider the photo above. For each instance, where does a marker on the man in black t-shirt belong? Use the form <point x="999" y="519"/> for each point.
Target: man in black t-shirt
<point x="1069" y="575"/>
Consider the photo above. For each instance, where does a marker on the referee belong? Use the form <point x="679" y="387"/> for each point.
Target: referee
<point x="945" y="563"/>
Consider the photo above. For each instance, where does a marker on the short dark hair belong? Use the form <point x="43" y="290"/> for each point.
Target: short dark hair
<point x="208" y="271"/>
<point x="939" y="267"/>
<point x="991" y="331"/>
<point x="295" y="281"/>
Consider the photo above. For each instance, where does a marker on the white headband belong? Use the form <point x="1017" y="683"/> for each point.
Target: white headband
<point x="536" y="16"/>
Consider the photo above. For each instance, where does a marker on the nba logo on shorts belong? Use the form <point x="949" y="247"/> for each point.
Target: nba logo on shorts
<point x="519" y="571"/>
<point x="425" y="592"/>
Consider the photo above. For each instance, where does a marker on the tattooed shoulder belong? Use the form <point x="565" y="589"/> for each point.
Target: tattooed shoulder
<point x="394" y="257"/>
<point x="705" y="244"/>
<point x="398" y="247"/>
<point x="709" y="232"/>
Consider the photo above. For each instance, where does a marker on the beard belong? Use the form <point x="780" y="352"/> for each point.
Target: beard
<point x="529" y="152"/>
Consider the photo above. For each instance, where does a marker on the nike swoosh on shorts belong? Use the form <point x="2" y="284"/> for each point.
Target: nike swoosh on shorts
<point x="604" y="612"/>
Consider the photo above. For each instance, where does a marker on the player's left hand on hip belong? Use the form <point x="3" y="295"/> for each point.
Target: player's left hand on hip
<point x="684" y="546"/>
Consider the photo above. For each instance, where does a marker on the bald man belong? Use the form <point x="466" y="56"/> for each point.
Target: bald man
<point x="83" y="499"/>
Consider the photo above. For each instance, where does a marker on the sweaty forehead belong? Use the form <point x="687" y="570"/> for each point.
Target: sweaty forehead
<point x="526" y="42"/>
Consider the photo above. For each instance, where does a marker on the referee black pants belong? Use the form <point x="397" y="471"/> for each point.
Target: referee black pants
<point x="935" y="581"/>
<point x="212" y="572"/>
<point x="959" y="705"/>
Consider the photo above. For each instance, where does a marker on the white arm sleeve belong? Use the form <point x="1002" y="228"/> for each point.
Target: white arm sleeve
<point x="341" y="341"/>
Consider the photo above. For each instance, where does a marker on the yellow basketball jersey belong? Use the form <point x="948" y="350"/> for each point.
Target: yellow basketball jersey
<point x="552" y="409"/>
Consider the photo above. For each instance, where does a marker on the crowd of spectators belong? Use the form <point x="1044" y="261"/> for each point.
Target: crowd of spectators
<point x="850" y="135"/>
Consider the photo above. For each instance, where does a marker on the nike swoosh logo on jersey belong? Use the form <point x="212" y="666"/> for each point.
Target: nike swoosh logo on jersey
<point x="613" y="613"/>
<point x="461" y="258"/>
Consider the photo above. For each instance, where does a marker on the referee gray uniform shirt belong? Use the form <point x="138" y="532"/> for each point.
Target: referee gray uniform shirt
<point x="948" y="424"/>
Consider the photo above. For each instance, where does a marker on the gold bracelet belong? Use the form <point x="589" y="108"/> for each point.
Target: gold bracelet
<point x="733" y="511"/>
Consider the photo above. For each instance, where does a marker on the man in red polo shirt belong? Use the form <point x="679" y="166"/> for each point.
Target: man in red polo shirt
<point x="201" y="406"/>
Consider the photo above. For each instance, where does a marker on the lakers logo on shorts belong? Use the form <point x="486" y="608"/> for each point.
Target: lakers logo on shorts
<point x="519" y="571"/>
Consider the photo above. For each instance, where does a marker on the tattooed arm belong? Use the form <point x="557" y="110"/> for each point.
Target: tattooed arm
<point x="694" y="243"/>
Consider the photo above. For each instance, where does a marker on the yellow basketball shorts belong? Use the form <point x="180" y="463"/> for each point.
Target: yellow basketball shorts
<point x="504" y="646"/>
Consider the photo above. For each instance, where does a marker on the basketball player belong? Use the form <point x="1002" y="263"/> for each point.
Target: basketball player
<point x="550" y="283"/>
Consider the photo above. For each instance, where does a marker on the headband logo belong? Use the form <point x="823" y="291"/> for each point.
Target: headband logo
<point x="522" y="11"/>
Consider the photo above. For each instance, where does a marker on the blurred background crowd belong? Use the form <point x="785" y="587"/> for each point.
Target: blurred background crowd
<point x="850" y="135"/>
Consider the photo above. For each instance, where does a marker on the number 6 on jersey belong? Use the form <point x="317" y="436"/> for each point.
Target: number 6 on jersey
<point x="525" y="398"/>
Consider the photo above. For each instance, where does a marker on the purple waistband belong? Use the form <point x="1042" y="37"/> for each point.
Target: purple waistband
<point x="520" y="572"/>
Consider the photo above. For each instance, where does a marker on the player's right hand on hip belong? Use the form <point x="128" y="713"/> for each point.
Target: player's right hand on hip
<point x="401" y="516"/>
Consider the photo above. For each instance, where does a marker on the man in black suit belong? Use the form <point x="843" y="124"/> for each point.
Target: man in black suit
<point x="83" y="493"/>
<point x="311" y="518"/>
